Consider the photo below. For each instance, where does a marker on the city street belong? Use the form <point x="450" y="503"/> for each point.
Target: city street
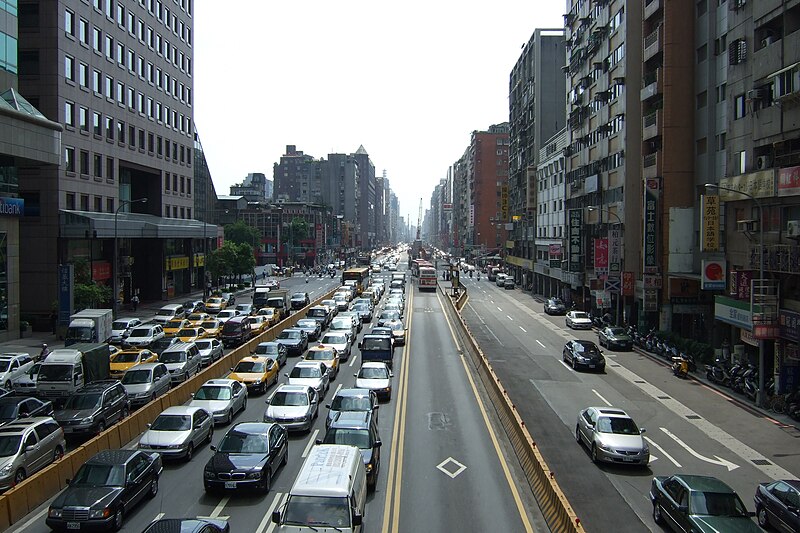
<point x="691" y="428"/>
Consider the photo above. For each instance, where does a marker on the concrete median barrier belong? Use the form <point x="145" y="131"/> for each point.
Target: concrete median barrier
<point x="557" y="511"/>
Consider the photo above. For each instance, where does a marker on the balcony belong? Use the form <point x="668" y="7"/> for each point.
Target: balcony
<point x="652" y="44"/>
<point x="652" y="85"/>
<point x="651" y="166"/>
<point x="651" y="125"/>
<point x="650" y="7"/>
<point x="767" y="59"/>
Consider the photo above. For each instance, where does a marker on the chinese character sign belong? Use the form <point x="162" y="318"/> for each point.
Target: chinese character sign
<point x="709" y="214"/>
<point x="614" y="252"/>
<point x="650" y="252"/>
<point x="66" y="280"/>
<point x="601" y="257"/>
<point x="575" y="240"/>
<point x="627" y="283"/>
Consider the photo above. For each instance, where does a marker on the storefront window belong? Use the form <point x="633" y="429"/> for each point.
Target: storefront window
<point x="3" y="283"/>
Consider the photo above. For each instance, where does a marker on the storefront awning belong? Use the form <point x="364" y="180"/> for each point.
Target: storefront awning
<point x="76" y="224"/>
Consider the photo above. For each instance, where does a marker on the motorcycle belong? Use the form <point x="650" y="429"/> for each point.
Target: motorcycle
<point x="750" y="386"/>
<point x="718" y="373"/>
<point x="306" y="279"/>
<point x="680" y="367"/>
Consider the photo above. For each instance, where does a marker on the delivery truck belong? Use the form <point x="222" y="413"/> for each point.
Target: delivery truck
<point x="278" y="299"/>
<point x="65" y="370"/>
<point x="89" y="325"/>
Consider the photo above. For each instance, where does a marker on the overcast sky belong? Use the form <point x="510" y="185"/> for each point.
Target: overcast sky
<point x="407" y="80"/>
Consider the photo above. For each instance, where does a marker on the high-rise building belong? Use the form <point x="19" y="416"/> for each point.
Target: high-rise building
<point x="256" y="187"/>
<point x="297" y="177"/>
<point x="366" y="208"/>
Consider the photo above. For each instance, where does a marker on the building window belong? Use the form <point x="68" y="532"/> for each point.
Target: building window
<point x="701" y="146"/>
<point x="98" y="165"/>
<point x="110" y="47"/>
<point x="183" y="185"/>
<point x="97" y="39"/>
<point x="98" y="204"/>
<point x="96" y="125"/>
<point x="721" y="141"/>
<point x="83" y="31"/>
<point x="721" y="44"/>
<point x="166" y="182"/>
<point x="69" y="68"/>
<point x="739" y="107"/>
<point x="96" y="81"/>
<point x="175" y="183"/>
<point x="84" y="162"/>
<point x="120" y="93"/>
<point x="109" y="93"/>
<point x="702" y="7"/>
<point x="70" y="201"/>
<point x="189" y="186"/>
<point x="109" y="125"/>
<point x="159" y="146"/>
<point x="121" y="132"/>
<point x="84" y="202"/>
<point x="83" y="119"/>
<point x="721" y="89"/>
<point x="131" y="59"/>
<point x="83" y="75"/>
<point x="784" y="83"/>
<point x="131" y="97"/>
<point x="69" y="114"/>
<point x="120" y="15"/>
<point x="120" y="54"/>
<point x="69" y="22"/>
<point x="150" y="142"/>
<point x="141" y="139"/>
<point x="740" y="162"/>
<point x="701" y="99"/>
<point x="69" y="159"/>
<point x="702" y="53"/>
<point x="109" y="168"/>
<point x="109" y="205"/>
<point x="132" y="136"/>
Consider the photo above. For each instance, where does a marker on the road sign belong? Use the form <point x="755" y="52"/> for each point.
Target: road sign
<point x="613" y="285"/>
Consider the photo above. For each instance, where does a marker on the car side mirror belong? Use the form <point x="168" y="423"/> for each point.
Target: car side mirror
<point x="148" y="425"/>
<point x="391" y="374"/>
<point x="276" y="517"/>
<point x="355" y="375"/>
<point x="356" y="518"/>
<point x="212" y="448"/>
<point x="286" y="374"/>
<point x="318" y="441"/>
<point x="642" y="430"/>
<point x="683" y="509"/>
<point x="376" y="408"/>
<point x="30" y="449"/>
<point x="327" y="405"/>
<point x="378" y="444"/>
<point x="191" y="395"/>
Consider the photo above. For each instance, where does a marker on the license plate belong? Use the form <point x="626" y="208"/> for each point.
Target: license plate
<point x="73" y="525"/>
<point x="230" y="484"/>
<point x="627" y="459"/>
<point x="592" y="366"/>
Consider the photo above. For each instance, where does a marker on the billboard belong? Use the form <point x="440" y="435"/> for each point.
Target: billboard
<point x="709" y="222"/>
<point x="576" y="240"/>
<point x="713" y="275"/>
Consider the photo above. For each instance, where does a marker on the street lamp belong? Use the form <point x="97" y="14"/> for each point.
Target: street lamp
<point x="116" y="250"/>
<point x="761" y="355"/>
<point x="620" y="307"/>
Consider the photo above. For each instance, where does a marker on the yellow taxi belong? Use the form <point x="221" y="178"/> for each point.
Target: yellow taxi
<point x="215" y="304"/>
<point x="256" y="372"/>
<point x="213" y="328"/>
<point x="174" y="326"/>
<point x="196" y="319"/>
<point x="113" y="350"/>
<point x="191" y="334"/>
<point x="128" y="358"/>
<point x="270" y="316"/>
<point x="258" y="324"/>
<point x="327" y="355"/>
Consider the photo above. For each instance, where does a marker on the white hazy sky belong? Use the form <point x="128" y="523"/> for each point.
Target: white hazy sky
<point x="408" y="80"/>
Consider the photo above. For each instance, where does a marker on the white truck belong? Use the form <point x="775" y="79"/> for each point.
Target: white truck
<point x="65" y="370"/>
<point x="89" y="325"/>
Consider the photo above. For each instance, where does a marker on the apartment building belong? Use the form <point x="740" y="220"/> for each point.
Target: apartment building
<point x="297" y="177"/>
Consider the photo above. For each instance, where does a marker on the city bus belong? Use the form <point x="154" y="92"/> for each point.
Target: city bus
<point x="358" y="274"/>
<point x="427" y="278"/>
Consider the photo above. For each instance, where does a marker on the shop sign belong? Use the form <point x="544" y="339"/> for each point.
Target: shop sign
<point x="180" y="262"/>
<point x="527" y="264"/>
<point x="66" y="284"/>
<point x="12" y="207"/>
<point x="614" y="252"/>
<point x="554" y="250"/>
<point x="789" y="322"/>
<point x="613" y="285"/>
<point x="199" y="260"/>
<point x="576" y="240"/>
<point x="504" y="201"/>
<point x="748" y="337"/>
<point x="602" y="299"/>
<point x="101" y="270"/>
<point x="651" y="282"/>
<point x="683" y="288"/>
<point x="709" y="222"/>
<point x="651" y="300"/>
<point x="734" y="312"/>
<point x="651" y="196"/>
<point x="743" y="283"/>
<point x="759" y="184"/>
<point x="509" y="245"/>
<point x="320" y="236"/>
<point x="601" y="257"/>
<point x="733" y="283"/>
<point x="472" y="214"/>
<point x="789" y="181"/>
<point x="712" y="274"/>
<point x="766" y="331"/>
<point x="628" y="283"/>
<point x="590" y="185"/>
<point x="555" y="263"/>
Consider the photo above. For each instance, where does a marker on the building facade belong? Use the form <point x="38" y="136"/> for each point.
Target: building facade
<point x="256" y="187"/>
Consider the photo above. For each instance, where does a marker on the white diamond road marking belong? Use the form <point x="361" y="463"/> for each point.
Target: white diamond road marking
<point x="459" y="467"/>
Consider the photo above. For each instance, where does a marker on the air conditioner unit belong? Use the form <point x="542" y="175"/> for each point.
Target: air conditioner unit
<point x="747" y="226"/>
<point x="763" y="162"/>
<point x="755" y="94"/>
<point x="793" y="229"/>
<point x="768" y="40"/>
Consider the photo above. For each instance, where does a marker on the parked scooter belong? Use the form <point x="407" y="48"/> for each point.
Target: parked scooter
<point x="680" y="366"/>
<point x="750" y="385"/>
<point x="719" y="372"/>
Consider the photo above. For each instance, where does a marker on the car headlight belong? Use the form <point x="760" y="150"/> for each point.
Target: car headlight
<point x="646" y="448"/>
<point x="254" y="475"/>
<point x="100" y="513"/>
<point x="6" y="469"/>
<point x="604" y="446"/>
<point x="55" y="512"/>
<point x="269" y="418"/>
<point x="219" y="413"/>
<point x="208" y="474"/>
<point x="369" y="468"/>
<point x="87" y="420"/>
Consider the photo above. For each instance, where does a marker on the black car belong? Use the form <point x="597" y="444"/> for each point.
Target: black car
<point x="349" y="400"/>
<point x="247" y="457"/>
<point x="16" y="407"/>
<point x="188" y="525"/>
<point x="321" y="314"/>
<point x="358" y="428"/>
<point x="584" y="353"/>
<point x="311" y="327"/>
<point x="614" y="338"/>
<point x="94" y="407"/>
<point x="162" y="344"/>
<point x="299" y="300"/>
<point x="106" y="487"/>
<point x="276" y="350"/>
<point x="778" y="505"/>
<point x="554" y="306"/>
<point x="295" y="340"/>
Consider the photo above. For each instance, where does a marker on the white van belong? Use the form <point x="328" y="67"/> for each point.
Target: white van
<point x="168" y="312"/>
<point x="329" y="493"/>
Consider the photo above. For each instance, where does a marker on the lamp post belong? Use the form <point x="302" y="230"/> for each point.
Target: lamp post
<point x="762" y="378"/>
<point x="620" y="307"/>
<point x="116" y="250"/>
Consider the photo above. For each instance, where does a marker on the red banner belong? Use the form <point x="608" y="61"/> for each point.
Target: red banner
<point x="627" y="283"/>
<point x="789" y="181"/>
<point x="101" y="270"/>
<point x="601" y="255"/>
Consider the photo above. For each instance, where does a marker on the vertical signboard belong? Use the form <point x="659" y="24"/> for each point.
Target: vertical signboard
<point x="66" y="280"/>
<point x="601" y="257"/>
<point x="709" y="222"/>
<point x="614" y="252"/>
<point x="472" y="215"/>
<point x="627" y="284"/>
<point x="576" y="240"/>
<point x="504" y="201"/>
<point x="712" y="274"/>
<point x="652" y="188"/>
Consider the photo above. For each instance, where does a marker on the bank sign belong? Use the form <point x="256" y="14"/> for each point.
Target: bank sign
<point x="734" y="312"/>
<point x="12" y="207"/>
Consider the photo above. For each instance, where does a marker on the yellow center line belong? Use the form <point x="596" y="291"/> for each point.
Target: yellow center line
<point x="506" y="471"/>
<point x="396" y="458"/>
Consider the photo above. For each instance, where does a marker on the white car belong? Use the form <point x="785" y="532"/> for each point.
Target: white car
<point x="223" y="398"/>
<point x="311" y="373"/>
<point x="144" y="335"/>
<point x="331" y="305"/>
<point x="25" y="384"/>
<point x="177" y="431"/>
<point x="295" y="407"/>
<point x="339" y="340"/>
<point x="120" y="328"/>
<point x="578" y="320"/>
<point x="377" y="377"/>
<point x="226" y="314"/>
<point x="13" y="366"/>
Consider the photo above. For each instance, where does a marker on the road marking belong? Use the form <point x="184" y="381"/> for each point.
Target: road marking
<point x="220" y="506"/>
<point x="509" y="317"/>
<point x="601" y="397"/>
<point x="338" y="388"/>
<point x="158" y="517"/>
<point x="493" y="335"/>
<point x="459" y="467"/>
<point x="33" y="519"/>
<point x="540" y="343"/>
<point x="719" y="460"/>
<point x="523" y="329"/>
<point x="352" y="359"/>
<point x="311" y="442"/>
<point x="560" y="361"/>
<point x="267" y="520"/>
<point x="662" y="450"/>
<point x="499" y="309"/>
<point x="511" y="484"/>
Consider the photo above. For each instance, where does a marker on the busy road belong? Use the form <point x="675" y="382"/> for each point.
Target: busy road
<point x="445" y="463"/>
<point x="690" y="429"/>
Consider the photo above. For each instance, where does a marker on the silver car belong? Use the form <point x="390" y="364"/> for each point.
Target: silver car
<point x="27" y="446"/>
<point x="340" y="341"/>
<point x="146" y="382"/>
<point x="210" y="350"/>
<point x="611" y="436"/>
<point x="295" y="407"/>
<point x="144" y="335"/>
<point x="120" y="328"/>
<point x="312" y="373"/>
<point x="26" y="383"/>
<point x="223" y="398"/>
<point x="177" y="431"/>
<point x="344" y="325"/>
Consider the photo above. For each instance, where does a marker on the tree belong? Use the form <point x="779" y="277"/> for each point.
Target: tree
<point x="244" y="262"/>
<point x="88" y="294"/>
<point x="239" y="233"/>
<point x="298" y="231"/>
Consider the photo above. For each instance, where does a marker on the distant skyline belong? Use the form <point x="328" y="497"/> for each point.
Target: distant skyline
<point x="409" y="82"/>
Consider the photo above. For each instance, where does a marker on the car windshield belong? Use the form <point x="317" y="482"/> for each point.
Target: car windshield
<point x="174" y="324"/>
<point x="172" y="357"/>
<point x="320" y="355"/>
<point x="298" y="296"/>
<point x="317" y="511"/>
<point x="373" y="373"/>
<point x="351" y="403"/>
<point x="250" y="367"/>
<point x="286" y="334"/>
<point x="211" y="324"/>
<point x="617" y="425"/>
<point x="127" y="357"/>
<point x="214" y="301"/>
<point x="100" y="475"/>
<point x="390" y="315"/>
<point x="140" y="332"/>
<point x="55" y="373"/>
<point x="580" y="314"/>
<point x="289" y="399"/>
<point x="396" y="325"/>
<point x="187" y="333"/>
<point x="9" y="445"/>
<point x="616" y="331"/>
<point x="8" y="411"/>
<point x="165" y="312"/>
<point x="716" y="504"/>
<point x="196" y="316"/>
<point x="307" y="323"/>
<point x="213" y="392"/>
<point x="587" y="347"/>
<point x="225" y="314"/>
<point x="83" y="401"/>
<point x="556" y="302"/>
<point x="203" y="345"/>
<point x="352" y="437"/>
<point x="371" y="343"/>
<point x="238" y="442"/>
<point x="305" y="372"/>
<point x="267" y="311"/>
<point x="136" y="377"/>
<point x="119" y="324"/>
<point x="334" y="339"/>
<point x="172" y="423"/>
<point x="342" y="324"/>
<point x="267" y="349"/>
